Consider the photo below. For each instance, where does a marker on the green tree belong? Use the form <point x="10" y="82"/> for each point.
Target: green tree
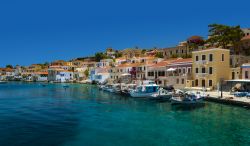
<point x="9" y="66"/>
<point x="86" y="72"/>
<point x="118" y="54"/>
<point x="159" y="55"/>
<point x="223" y="35"/>
<point x="99" y="56"/>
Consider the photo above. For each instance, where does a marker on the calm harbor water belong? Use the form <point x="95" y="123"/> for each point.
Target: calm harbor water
<point x="33" y="115"/>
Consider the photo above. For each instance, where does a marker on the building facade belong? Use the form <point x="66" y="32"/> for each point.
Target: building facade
<point x="210" y="67"/>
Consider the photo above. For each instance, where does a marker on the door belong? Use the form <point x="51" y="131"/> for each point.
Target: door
<point x="233" y="75"/>
<point x="203" y="83"/>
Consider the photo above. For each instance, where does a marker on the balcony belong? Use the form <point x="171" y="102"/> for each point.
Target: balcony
<point x="202" y="62"/>
<point x="202" y="75"/>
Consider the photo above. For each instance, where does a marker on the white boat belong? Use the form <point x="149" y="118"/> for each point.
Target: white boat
<point x="162" y="94"/>
<point x="127" y="88"/>
<point x="186" y="98"/>
<point x="108" y="88"/>
<point x="3" y="82"/>
<point x="116" y="88"/>
<point x="148" y="90"/>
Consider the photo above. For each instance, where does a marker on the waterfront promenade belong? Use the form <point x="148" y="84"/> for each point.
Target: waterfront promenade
<point x="228" y="98"/>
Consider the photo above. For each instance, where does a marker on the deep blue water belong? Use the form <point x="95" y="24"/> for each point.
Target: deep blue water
<point x="81" y="115"/>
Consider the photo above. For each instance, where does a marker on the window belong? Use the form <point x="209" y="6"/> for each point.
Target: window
<point x="176" y="51"/>
<point x="161" y="73"/>
<point x="170" y="52"/>
<point x="210" y="57"/>
<point x="189" y="70"/>
<point x="159" y="82"/>
<point x="196" y="58"/>
<point x="182" y="51"/>
<point x="150" y="74"/>
<point x="183" y="70"/>
<point x="203" y="57"/>
<point x="179" y="70"/>
<point x="222" y="57"/>
<point x="210" y="83"/>
<point x="203" y="70"/>
<point x="203" y="83"/>
<point x="182" y="81"/>
<point x="246" y="74"/>
<point x="196" y="70"/>
<point x="210" y="70"/>
<point x="177" y="81"/>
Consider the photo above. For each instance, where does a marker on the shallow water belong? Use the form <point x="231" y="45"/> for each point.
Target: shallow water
<point x="33" y="115"/>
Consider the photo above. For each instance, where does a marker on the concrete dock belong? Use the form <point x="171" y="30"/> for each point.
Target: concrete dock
<point x="228" y="99"/>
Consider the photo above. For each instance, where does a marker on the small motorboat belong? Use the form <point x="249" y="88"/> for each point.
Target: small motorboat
<point x="3" y="82"/>
<point x="162" y="94"/>
<point x="148" y="90"/>
<point x="186" y="98"/>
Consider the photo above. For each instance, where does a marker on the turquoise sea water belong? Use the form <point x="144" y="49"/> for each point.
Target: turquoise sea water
<point x="81" y="115"/>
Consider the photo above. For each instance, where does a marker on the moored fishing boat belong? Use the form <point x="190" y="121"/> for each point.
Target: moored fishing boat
<point x="148" y="90"/>
<point x="186" y="98"/>
<point x="3" y="82"/>
<point x="126" y="88"/>
<point x="162" y="94"/>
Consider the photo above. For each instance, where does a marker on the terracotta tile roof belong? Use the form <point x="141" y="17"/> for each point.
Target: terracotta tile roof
<point x="131" y="65"/>
<point x="182" y="60"/>
<point x="41" y="73"/>
<point x="246" y="38"/>
<point x="160" y="64"/>
<point x="7" y="69"/>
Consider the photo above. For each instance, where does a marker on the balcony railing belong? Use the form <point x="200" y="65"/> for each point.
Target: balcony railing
<point x="202" y="75"/>
<point x="202" y="62"/>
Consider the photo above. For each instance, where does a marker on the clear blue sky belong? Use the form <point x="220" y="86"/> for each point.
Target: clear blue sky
<point x="36" y="31"/>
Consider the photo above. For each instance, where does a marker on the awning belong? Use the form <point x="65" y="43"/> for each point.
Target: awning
<point x="239" y="81"/>
<point x="171" y="69"/>
<point x="126" y="74"/>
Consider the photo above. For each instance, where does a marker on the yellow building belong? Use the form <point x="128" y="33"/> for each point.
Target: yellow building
<point x="210" y="67"/>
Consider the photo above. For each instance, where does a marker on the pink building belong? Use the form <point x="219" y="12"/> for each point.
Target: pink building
<point x="245" y="71"/>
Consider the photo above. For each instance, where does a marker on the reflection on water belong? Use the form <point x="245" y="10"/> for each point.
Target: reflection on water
<point x="33" y="114"/>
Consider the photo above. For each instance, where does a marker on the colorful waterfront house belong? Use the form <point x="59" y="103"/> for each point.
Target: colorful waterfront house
<point x="179" y="71"/>
<point x="69" y="67"/>
<point x="101" y="74"/>
<point x="78" y="63"/>
<point x="7" y="73"/>
<point x="157" y="72"/>
<point x="120" y="60"/>
<point x="58" y="74"/>
<point x="246" y="71"/>
<point x="60" y="63"/>
<point x="104" y="63"/>
<point x="65" y="76"/>
<point x="33" y="68"/>
<point x="130" y="53"/>
<point x="40" y="76"/>
<point x="79" y="73"/>
<point x="235" y="73"/>
<point x="123" y="69"/>
<point x="210" y="67"/>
